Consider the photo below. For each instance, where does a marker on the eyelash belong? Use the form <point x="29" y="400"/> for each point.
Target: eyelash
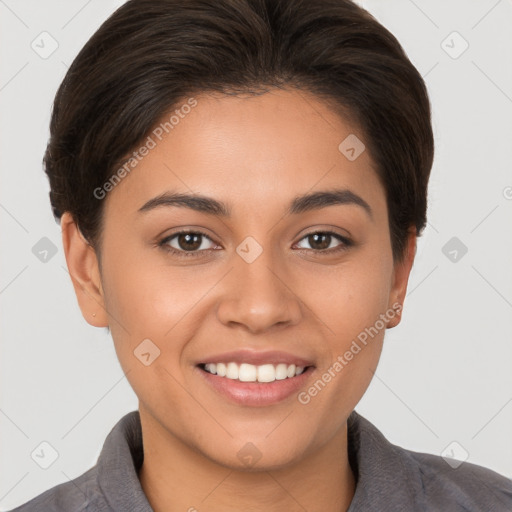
<point x="186" y="254"/>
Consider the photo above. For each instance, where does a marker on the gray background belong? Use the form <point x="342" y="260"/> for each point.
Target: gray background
<point x="445" y="372"/>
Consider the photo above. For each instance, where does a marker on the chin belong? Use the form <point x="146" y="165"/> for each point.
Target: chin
<point x="253" y="454"/>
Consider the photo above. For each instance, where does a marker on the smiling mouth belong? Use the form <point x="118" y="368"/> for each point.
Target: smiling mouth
<point x="246" y="372"/>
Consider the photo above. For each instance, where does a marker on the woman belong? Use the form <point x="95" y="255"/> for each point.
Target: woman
<point x="241" y="185"/>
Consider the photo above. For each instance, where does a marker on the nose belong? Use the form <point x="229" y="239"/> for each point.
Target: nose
<point x="258" y="297"/>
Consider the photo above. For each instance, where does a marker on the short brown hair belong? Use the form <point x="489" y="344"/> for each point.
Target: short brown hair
<point x="149" y="54"/>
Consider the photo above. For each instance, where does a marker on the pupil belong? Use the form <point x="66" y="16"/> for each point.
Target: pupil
<point x="323" y="245"/>
<point x="186" y="238"/>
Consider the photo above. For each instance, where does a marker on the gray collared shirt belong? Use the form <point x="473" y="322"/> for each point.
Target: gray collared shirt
<point x="389" y="478"/>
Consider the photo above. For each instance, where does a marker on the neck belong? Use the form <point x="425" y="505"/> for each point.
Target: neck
<point x="175" y="477"/>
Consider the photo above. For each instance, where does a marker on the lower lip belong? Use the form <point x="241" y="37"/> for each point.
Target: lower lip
<point x="256" y="393"/>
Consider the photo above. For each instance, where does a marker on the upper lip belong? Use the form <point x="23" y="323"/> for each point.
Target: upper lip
<point x="258" y="358"/>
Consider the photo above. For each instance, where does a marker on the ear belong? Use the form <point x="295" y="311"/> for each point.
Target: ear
<point x="401" y="278"/>
<point x="84" y="271"/>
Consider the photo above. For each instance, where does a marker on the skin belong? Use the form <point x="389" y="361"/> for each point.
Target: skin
<point x="255" y="153"/>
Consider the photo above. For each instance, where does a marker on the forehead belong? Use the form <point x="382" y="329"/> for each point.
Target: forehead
<point x="249" y="151"/>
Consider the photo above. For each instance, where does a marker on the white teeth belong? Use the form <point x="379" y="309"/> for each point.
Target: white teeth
<point x="211" y="367"/>
<point x="250" y="373"/>
<point x="221" y="369"/>
<point x="246" y="372"/>
<point x="266" y="373"/>
<point x="232" y="371"/>
<point x="281" y="371"/>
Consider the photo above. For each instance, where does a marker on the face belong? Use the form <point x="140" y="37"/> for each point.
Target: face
<point x="260" y="277"/>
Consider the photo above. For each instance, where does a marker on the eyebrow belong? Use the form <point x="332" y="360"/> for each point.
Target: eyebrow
<point x="300" y="204"/>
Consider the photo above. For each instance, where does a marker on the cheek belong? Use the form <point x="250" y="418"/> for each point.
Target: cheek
<point x="140" y="302"/>
<point x="349" y="301"/>
<point x="146" y="296"/>
<point x="350" y="296"/>
<point x="151" y="300"/>
<point x="148" y="302"/>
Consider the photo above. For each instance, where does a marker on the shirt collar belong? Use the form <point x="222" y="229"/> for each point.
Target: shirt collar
<point x="119" y="463"/>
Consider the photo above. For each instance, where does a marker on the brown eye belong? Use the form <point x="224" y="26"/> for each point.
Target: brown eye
<point x="321" y="241"/>
<point x="189" y="241"/>
<point x="186" y="243"/>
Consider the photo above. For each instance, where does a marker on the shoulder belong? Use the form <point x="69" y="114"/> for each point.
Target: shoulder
<point x="393" y="478"/>
<point x="111" y="484"/>
<point x="469" y="486"/>
<point x="77" y="495"/>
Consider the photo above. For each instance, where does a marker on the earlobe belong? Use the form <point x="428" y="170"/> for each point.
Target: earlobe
<point x="83" y="268"/>
<point x="400" y="280"/>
